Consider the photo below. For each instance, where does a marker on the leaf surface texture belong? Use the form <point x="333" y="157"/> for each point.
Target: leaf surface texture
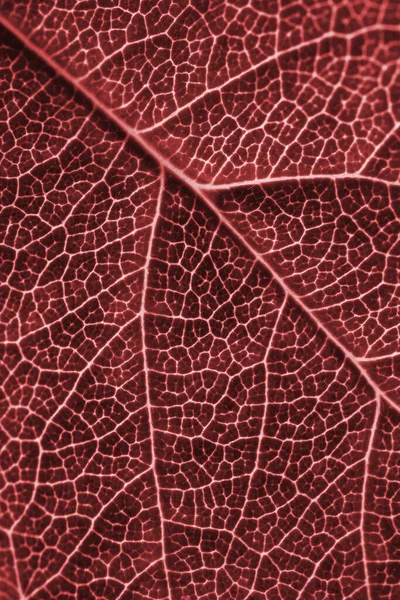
<point x="199" y="316"/>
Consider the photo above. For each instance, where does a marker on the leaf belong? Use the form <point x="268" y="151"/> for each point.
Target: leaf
<point x="200" y="301"/>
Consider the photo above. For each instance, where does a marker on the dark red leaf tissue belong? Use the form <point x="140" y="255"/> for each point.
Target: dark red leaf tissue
<point x="199" y="300"/>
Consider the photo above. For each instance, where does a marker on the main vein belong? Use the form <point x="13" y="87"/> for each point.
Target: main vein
<point x="197" y="189"/>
